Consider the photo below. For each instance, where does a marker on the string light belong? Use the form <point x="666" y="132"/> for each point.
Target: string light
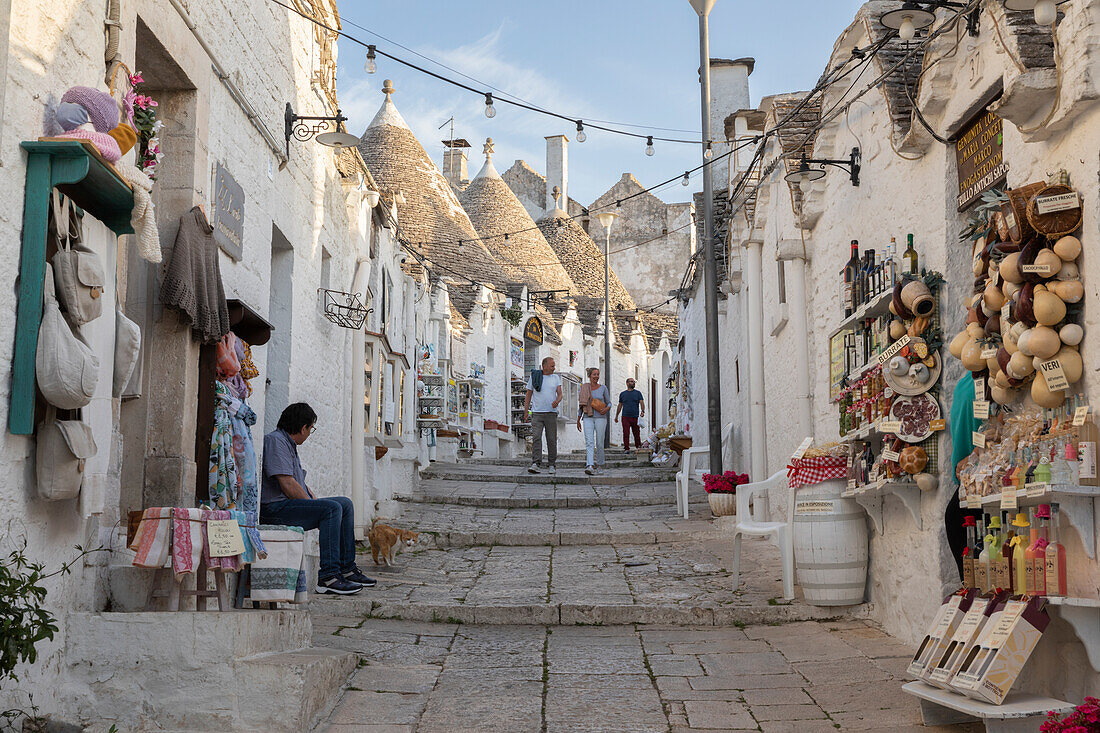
<point x="709" y="152"/>
<point x="581" y="137"/>
<point x="490" y="110"/>
<point x="687" y="179"/>
<point x="370" y="66"/>
<point x="649" y="146"/>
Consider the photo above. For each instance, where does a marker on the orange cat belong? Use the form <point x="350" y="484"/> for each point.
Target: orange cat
<point x="387" y="541"/>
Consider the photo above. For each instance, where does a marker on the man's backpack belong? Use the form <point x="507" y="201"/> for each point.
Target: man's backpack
<point x="536" y="380"/>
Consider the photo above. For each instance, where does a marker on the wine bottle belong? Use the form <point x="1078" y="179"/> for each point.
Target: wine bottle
<point x="851" y="270"/>
<point x="909" y="258"/>
<point x="891" y="263"/>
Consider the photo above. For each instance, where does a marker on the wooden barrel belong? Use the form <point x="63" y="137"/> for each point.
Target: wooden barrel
<point x="830" y="545"/>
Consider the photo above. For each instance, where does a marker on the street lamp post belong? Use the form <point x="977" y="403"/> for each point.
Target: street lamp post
<point x="710" y="270"/>
<point x="607" y="218"/>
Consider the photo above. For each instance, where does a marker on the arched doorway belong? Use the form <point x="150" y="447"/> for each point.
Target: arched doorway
<point x="533" y="336"/>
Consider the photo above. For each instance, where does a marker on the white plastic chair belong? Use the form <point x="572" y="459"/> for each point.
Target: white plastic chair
<point x="779" y="533"/>
<point x="693" y="464"/>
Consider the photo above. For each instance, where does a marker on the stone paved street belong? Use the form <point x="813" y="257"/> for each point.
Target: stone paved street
<point x="550" y="606"/>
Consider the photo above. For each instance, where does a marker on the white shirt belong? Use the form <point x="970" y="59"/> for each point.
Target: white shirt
<point x="543" y="400"/>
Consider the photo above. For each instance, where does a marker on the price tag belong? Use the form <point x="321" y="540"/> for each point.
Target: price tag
<point x="890" y="426"/>
<point x="851" y="484"/>
<point x="974" y="502"/>
<point x="1037" y="269"/>
<point x="1008" y="497"/>
<point x="988" y="354"/>
<point x="1010" y="220"/>
<point x="978" y="439"/>
<point x="979" y="383"/>
<point x="1035" y="489"/>
<point x="981" y="410"/>
<point x="893" y="349"/>
<point x="802" y="448"/>
<point x="938" y="424"/>
<point x="224" y="537"/>
<point x="1006" y="311"/>
<point x="891" y="455"/>
<point x="1054" y="374"/>
<point x="1080" y="414"/>
<point x="1057" y="202"/>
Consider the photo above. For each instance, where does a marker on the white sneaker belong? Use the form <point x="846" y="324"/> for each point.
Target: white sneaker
<point x="590" y="470"/>
<point x="551" y="470"/>
<point x="533" y="468"/>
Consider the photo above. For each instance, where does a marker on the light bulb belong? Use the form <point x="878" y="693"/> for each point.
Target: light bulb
<point x="490" y="110"/>
<point x="686" y="181"/>
<point x="805" y="184"/>
<point x="370" y="66"/>
<point x="649" y="146"/>
<point x="581" y="137"/>
<point x="907" y="31"/>
<point x="708" y="153"/>
<point x="1045" y="12"/>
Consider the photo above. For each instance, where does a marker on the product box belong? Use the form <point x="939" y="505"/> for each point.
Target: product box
<point x="967" y="633"/>
<point x="991" y="666"/>
<point x="939" y="635"/>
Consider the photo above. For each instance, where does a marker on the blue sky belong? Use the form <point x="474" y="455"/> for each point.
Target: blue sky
<point x="615" y="60"/>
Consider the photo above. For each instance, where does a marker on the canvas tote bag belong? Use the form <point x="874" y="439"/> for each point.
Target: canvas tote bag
<point x="66" y="367"/>
<point x="79" y="273"/>
<point x="63" y="449"/>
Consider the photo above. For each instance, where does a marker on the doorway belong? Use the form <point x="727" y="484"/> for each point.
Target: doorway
<point x="281" y="315"/>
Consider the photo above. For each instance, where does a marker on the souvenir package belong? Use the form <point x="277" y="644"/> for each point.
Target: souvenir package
<point x="991" y="665"/>
<point x="939" y="636"/>
<point x="968" y="631"/>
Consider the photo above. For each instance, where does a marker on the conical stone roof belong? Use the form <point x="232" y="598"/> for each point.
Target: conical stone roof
<point x="583" y="260"/>
<point x="431" y="213"/>
<point x="525" y="256"/>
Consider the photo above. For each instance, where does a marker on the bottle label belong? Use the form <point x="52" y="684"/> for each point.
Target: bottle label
<point x="1086" y="459"/>
<point x="981" y="575"/>
<point x="1039" y="582"/>
<point x="1054" y="561"/>
<point x="1001" y="578"/>
<point x="1029" y="577"/>
<point x="968" y="572"/>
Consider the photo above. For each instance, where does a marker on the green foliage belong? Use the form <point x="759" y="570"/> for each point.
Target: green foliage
<point x="513" y="315"/>
<point x="977" y="224"/>
<point x="24" y="620"/>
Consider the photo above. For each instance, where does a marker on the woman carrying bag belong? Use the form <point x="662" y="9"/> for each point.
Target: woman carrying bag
<point x="595" y="403"/>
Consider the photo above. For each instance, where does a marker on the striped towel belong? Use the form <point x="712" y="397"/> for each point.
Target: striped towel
<point x="153" y="538"/>
<point x="188" y="539"/>
<point x="276" y="577"/>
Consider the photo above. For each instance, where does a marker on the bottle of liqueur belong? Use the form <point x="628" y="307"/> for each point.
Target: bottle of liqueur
<point x="1002" y="578"/>
<point x="868" y="275"/>
<point x="909" y="258"/>
<point x="981" y="563"/>
<point x="1029" y="554"/>
<point x="1007" y="548"/>
<point x="968" y="552"/>
<point x="1087" y="438"/>
<point x="1055" y="559"/>
<point x="1019" y="546"/>
<point x="1042" y="518"/>
<point x="890" y="263"/>
<point x="851" y="272"/>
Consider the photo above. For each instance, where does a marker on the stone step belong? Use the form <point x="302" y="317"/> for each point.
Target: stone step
<point x="563" y="477"/>
<point x="291" y="691"/>
<point x="580" y="462"/>
<point x="444" y="539"/>
<point x="539" y="502"/>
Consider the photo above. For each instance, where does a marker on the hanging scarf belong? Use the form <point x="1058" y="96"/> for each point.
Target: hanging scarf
<point x="250" y="531"/>
<point x="223" y="468"/>
<point x="247" y="491"/>
<point x="188" y="539"/>
<point x="153" y="538"/>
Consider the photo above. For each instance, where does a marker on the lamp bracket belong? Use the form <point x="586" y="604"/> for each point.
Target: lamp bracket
<point x="304" y="127"/>
<point x="851" y="164"/>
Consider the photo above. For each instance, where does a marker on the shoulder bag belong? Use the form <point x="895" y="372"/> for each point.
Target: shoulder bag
<point x="64" y="447"/>
<point x="65" y="366"/>
<point x="77" y="270"/>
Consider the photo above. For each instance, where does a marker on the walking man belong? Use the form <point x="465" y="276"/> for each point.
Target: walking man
<point x="541" y="403"/>
<point x="286" y="499"/>
<point x="632" y="407"/>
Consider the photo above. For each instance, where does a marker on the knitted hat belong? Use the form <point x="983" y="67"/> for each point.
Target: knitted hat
<point x="105" y="144"/>
<point x="71" y="116"/>
<point x="101" y="106"/>
<point x="125" y="136"/>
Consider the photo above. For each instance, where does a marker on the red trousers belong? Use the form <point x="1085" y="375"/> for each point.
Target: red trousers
<point x="631" y="424"/>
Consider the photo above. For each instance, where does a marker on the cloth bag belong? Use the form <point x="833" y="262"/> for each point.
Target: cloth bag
<point x="66" y="367"/>
<point x="78" y="272"/>
<point x="127" y="349"/>
<point x="63" y="447"/>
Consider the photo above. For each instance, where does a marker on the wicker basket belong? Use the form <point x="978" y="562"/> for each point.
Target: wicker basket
<point x="722" y="505"/>
<point x="1015" y="211"/>
<point x="1059" y="223"/>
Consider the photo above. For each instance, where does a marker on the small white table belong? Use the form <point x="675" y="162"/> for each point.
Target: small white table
<point x="1021" y="712"/>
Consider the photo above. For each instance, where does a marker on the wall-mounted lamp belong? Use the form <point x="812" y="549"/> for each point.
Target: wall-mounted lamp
<point x="916" y="15"/>
<point x="1046" y="11"/>
<point x="805" y="175"/>
<point x="297" y="127"/>
<point x="371" y="197"/>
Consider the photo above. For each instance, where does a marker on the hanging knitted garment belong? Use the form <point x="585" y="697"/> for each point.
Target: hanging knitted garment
<point x="241" y="420"/>
<point x="193" y="279"/>
<point x="223" y="468"/>
<point x="142" y="217"/>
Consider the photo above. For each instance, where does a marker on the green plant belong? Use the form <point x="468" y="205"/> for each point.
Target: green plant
<point x="513" y="315"/>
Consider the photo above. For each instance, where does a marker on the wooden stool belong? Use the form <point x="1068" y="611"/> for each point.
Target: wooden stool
<point x="165" y="585"/>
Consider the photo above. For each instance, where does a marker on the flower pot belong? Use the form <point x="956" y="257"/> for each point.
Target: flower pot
<point x="722" y="505"/>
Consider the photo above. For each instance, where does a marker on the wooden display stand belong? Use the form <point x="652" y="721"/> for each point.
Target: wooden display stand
<point x="165" y="585"/>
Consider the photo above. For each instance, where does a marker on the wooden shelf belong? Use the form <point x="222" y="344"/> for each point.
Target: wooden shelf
<point x="1021" y="711"/>
<point x="870" y="498"/>
<point x="1076" y="502"/>
<point x="76" y="169"/>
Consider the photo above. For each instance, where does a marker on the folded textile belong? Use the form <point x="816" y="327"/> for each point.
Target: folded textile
<point x="153" y="538"/>
<point x="250" y="532"/>
<point x="275" y="578"/>
<point x="231" y="563"/>
<point x="188" y="539"/>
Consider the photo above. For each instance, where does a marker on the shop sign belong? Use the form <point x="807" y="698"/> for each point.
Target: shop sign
<point x="533" y="330"/>
<point x="228" y="213"/>
<point x="517" y="354"/>
<point x="979" y="153"/>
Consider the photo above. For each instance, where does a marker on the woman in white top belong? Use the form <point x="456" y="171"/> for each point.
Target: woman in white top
<point x="595" y="403"/>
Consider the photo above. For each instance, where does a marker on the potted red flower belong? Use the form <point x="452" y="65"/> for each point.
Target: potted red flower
<point x="1085" y="718"/>
<point x="722" y="491"/>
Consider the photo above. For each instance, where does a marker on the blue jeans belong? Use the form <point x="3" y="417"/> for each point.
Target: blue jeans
<point x="334" y="516"/>
<point x="595" y="428"/>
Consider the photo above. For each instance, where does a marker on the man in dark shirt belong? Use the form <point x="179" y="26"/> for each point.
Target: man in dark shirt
<point x="632" y="407"/>
<point x="286" y="499"/>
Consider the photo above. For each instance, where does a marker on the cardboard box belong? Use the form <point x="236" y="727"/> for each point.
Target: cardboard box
<point x="939" y="635"/>
<point x="991" y="666"/>
<point x="968" y="632"/>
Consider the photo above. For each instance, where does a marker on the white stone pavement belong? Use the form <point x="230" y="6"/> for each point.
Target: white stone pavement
<point x="627" y="622"/>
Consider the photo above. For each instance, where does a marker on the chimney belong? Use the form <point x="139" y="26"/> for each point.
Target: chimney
<point x="729" y="93"/>
<point x="557" y="171"/>
<point x="454" y="163"/>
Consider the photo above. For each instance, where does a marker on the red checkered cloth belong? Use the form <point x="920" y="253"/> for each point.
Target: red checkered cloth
<point x="803" y="471"/>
